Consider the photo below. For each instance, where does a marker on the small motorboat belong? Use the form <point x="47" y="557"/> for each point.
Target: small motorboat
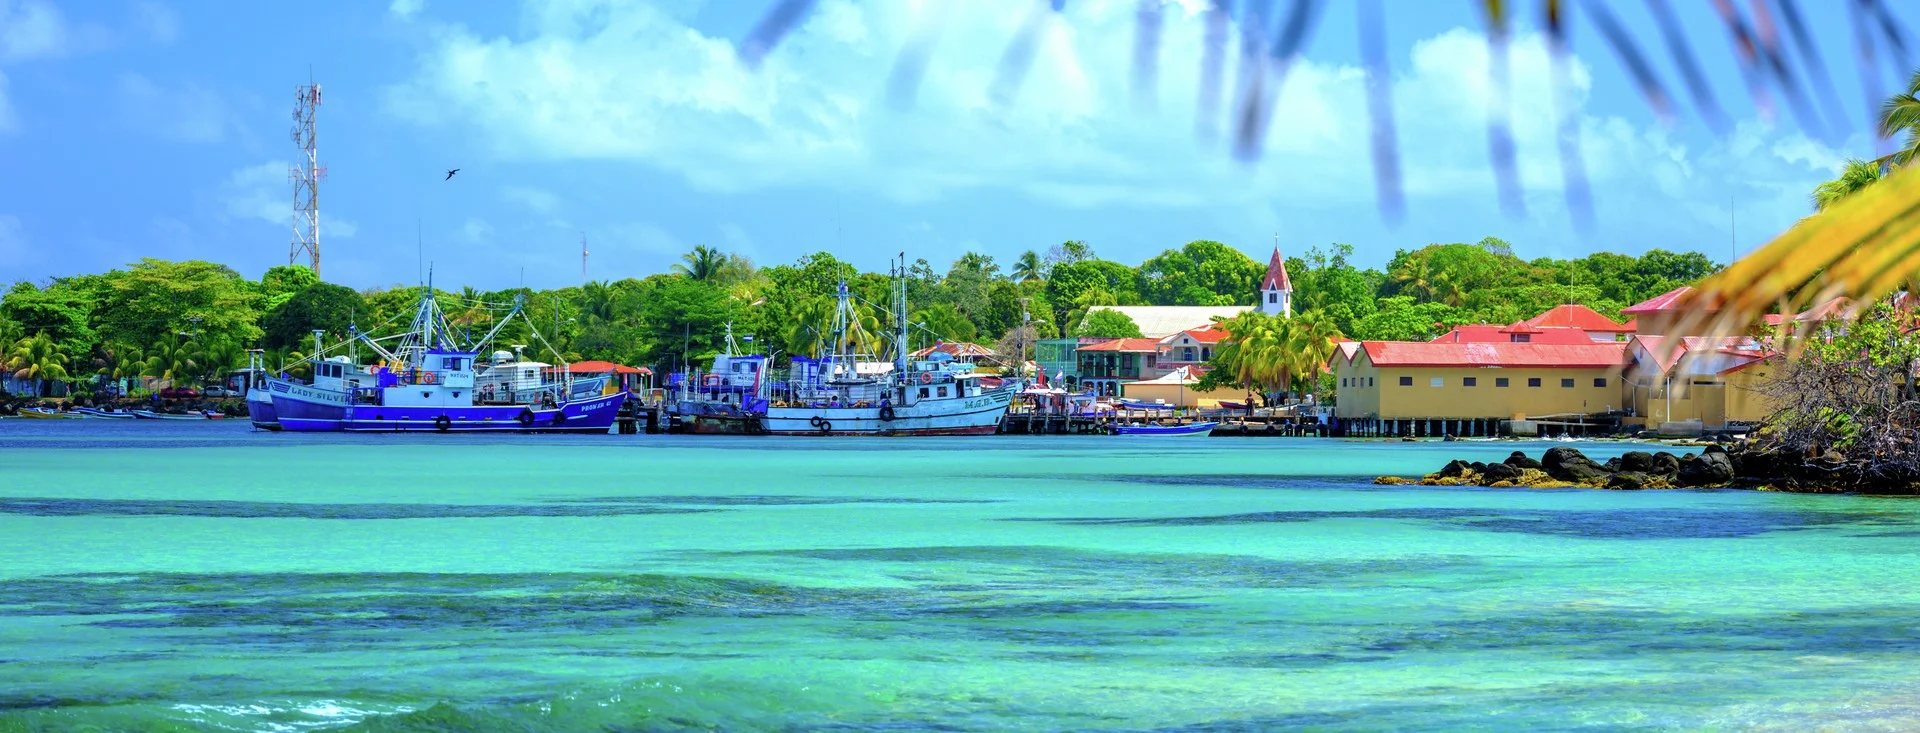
<point x="95" y="412"/>
<point x="1198" y="429"/>
<point x="215" y="415"/>
<point x="1234" y="406"/>
<point x="43" y="413"/>
<point x="151" y="415"/>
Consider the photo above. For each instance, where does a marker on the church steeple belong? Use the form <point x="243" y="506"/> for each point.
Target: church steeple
<point x="1276" y="291"/>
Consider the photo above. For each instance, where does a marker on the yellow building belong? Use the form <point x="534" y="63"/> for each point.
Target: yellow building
<point x="1687" y="385"/>
<point x="1395" y="380"/>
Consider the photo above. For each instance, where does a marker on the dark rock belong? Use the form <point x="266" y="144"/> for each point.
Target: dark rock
<point x="1448" y="439"/>
<point x="1706" y="469"/>
<point x="1455" y="469"/>
<point x="1567" y="464"/>
<point x="1612" y="464"/>
<point x="1664" y="464"/>
<point x="1627" y="480"/>
<point x="1638" y="460"/>
<point x="1501" y="472"/>
<point x="1520" y="460"/>
<point x="1713" y="448"/>
<point x="1478" y="467"/>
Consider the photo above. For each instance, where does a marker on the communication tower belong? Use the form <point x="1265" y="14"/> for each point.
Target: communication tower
<point x="306" y="177"/>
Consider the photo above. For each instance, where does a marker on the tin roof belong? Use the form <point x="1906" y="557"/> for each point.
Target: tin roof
<point x="1672" y="300"/>
<point x="957" y="349"/>
<point x="1574" y="315"/>
<point x="1493" y="333"/>
<point x="1520" y="327"/>
<point x="1507" y="355"/>
<point x="1126" y="344"/>
<point x="601" y="367"/>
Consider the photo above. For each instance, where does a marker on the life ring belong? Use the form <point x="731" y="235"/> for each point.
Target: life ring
<point x="526" y="418"/>
<point x="886" y="413"/>
<point x="428" y="378"/>
<point x="815" y="421"/>
<point x="926" y="378"/>
<point x="442" y="423"/>
<point x="826" y="427"/>
<point x="710" y="379"/>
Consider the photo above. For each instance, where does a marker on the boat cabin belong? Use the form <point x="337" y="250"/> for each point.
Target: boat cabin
<point x="443" y="379"/>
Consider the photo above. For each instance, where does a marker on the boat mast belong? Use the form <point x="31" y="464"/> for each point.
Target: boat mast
<point x="900" y="315"/>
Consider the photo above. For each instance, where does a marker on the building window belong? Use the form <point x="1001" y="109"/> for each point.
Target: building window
<point x="1406" y="381"/>
<point x="1469" y="381"/>
<point x="1369" y="381"/>
<point x="1186" y="354"/>
<point x="1206" y="352"/>
<point x="1437" y="382"/>
<point x="1533" y="381"/>
<point x="1499" y="381"/>
<point x="1522" y="338"/>
<point x="1599" y="381"/>
<point x="1273" y="297"/>
<point x="1566" y="384"/>
<point x="1343" y="381"/>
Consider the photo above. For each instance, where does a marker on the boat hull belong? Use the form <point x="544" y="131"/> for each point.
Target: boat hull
<point x="38" y="415"/>
<point x="585" y="416"/>
<point x="151" y="415"/>
<point x="304" y="408"/>
<point x="1195" y="430"/>
<point x="103" y="414"/>
<point x="976" y="415"/>
<point x="260" y="410"/>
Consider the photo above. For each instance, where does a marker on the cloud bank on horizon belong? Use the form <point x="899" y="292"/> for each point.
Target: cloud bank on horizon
<point x="636" y="125"/>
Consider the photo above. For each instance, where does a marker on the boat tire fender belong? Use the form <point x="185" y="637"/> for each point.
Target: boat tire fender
<point x="814" y="421"/>
<point x="826" y="427"/>
<point x="526" y="417"/>
<point x="886" y="413"/>
<point x="559" y="417"/>
<point x="442" y="423"/>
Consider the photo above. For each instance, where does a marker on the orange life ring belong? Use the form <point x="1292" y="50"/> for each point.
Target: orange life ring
<point x="926" y="378"/>
<point x="710" y="378"/>
<point x="428" y="378"/>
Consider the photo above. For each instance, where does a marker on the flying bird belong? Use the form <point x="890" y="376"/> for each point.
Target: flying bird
<point x="450" y="174"/>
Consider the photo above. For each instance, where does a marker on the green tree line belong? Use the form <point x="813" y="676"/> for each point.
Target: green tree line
<point x="190" y="321"/>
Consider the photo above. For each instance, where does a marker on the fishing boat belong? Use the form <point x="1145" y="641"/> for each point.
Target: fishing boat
<point x="729" y="398"/>
<point x="259" y="395"/>
<point x="1198" y="429"/>
<point x="835" y="396"/>
<point x="151" y="415"/>
<point x="99" y="414"/>
<point x="43" y="413"/>
<point x="428" y="384"/>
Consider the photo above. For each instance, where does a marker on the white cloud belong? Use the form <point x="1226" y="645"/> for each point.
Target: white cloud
<point x="608" y="80"/>
<point x="337" y="228"/>
<point x="187" y="113"/>
<point x="539" y="200"/>
<point x="8" y="121"/>
<point x="157" y="21"/>
<point x="476" y="230"/>
<point x="406" y="8"/>
<point x="258" y="192"/>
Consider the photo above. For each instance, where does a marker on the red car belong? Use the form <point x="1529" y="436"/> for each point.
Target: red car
<point x="179" y="393"/>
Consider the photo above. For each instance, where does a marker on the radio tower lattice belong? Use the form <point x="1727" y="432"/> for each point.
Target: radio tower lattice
<point x="306" y="177"/>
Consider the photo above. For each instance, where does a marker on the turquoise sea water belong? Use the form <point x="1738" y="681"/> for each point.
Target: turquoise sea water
<point x="205" y="577"/>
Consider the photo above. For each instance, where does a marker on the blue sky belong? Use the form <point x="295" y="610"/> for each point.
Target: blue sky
<point x="147" y="128"/>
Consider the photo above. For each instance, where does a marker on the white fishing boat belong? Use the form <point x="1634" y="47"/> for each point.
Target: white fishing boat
<point x="835" y="396"/>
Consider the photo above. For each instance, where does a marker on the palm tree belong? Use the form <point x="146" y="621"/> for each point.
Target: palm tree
<point x="945" y="322"/>
<point x="703" y="263"/>
<point x="807" y="330"/>
<point x="114" y="362"/>
<point x="1857" y="174"/>
<point x="1313" y="337"/>
<point x="1029" y="267"/>
<point x="1416" y="278"/>
<point x="177" y="358"/>
<point x="39" y="359"/>
<point x="1901" y="113"/>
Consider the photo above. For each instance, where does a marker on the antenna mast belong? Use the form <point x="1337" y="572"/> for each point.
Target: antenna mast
<point x="583" y="261"/>
<point x="306" y="177"/>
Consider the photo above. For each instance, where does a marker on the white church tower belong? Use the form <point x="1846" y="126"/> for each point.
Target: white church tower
<point x="1276" y="292"/>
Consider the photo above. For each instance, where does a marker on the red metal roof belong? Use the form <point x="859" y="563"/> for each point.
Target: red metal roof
<point x="602" y="367"/>
<point x="1520" y="327"/>
<point x="1672" y="300"/>
<point x="1493" y="333"/>
<point x="1509" y="355"/>
<point x="1276" y="278"/>
<point x="1574" y="315"/>
<point x="1126" y="344"/>
<point x="1208" y="335"/>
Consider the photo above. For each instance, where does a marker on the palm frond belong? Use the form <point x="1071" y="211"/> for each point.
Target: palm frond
<point x="1506" y="169"/>
<point x="1383" y="142"/>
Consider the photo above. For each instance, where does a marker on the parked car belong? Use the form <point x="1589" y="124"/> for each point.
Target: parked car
<point x="219" y="391"/>
<point x="179" y="393"/>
